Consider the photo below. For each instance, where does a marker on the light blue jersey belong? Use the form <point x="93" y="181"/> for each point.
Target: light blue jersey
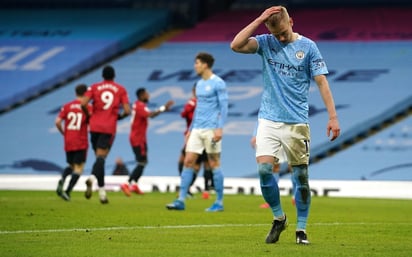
<point x="212" y="104"/>
<point x="287" y="71"/>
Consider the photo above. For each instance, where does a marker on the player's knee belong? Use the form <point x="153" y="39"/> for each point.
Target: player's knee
<point x="300" y="174"/>
<point x="265" y="169"/>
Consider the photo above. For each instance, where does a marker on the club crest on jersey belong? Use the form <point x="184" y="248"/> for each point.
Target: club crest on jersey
<point x="300" y="54"/>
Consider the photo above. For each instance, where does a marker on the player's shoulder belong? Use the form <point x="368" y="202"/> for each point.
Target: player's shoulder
<point x="139" y="104"/>
<point x="218" y="81"/>
<point x="73" y="102"/>
<point x="120" y="87"/>
<point x="217" y="78"/>
<point x="96" y="84"/>
<point x="71" y="105"/>
<point x="305" y="40"/>
<point x="263" y="36"/>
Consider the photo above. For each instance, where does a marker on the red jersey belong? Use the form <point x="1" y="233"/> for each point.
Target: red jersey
<point x="188" y="111"/>
<point x="140" y="115"/>
<point x="75" y="126"/>
<point x="107" y="97"/>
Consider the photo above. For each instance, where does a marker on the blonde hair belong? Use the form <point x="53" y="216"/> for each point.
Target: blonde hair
<point x="277" y="18"/>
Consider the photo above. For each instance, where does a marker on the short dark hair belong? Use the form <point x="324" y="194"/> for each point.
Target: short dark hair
<point x="206" y="58"/>
<point x="108" y="73"/>
<point x="140" y="91"/>
<point x="81" y="89"/>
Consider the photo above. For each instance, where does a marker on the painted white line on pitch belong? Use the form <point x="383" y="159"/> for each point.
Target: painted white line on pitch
<point x="127" y="228"/>
<point x="183" y="227"/>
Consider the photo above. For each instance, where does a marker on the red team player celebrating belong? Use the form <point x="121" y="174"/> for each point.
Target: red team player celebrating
<point x="106" y="96"/>
<point x="138" y="139"/>
<point x="75" y="140"/>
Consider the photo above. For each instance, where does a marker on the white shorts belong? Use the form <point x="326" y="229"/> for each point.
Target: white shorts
<point x="201" y="139"/>
<point x="272" y="137"/>
<point x="281" y="156"/>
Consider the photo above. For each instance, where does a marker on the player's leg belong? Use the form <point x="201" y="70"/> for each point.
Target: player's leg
<point x="218" y="181"/>
<point x="269" y="186"/>
<point x="188" y="174"/>
<point x="185" y="180"/>
<point x="207" y="172"/>
<point x="194" y="147"/>
<point x="79" y="159"/>
<point x="275" y="169"/>
<point x="267" y="146"/>
<point x="213" y="150"/>
<point x="196" y="169"/>
<point x="297" y="148"/>
<point x="66" y="172"/>
<point x="140" y="152"/>
<point x="99" y="172"/>
<point x="302" y="200"/>
<point x="101" y="143"/>
<point x="181" y="161"/>
<point x="77" y="170"/>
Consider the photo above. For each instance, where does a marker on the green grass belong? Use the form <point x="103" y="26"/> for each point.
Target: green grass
<point x="38" y="223"/>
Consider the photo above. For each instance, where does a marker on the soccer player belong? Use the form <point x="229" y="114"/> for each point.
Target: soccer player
<point x="75" y="140"/>
<point x="107" y="97"/>
<point x="206" y="131"/>
<point x="187" y="113"/>
<point x="289" y="62"/>
<point x="138" y="139"/>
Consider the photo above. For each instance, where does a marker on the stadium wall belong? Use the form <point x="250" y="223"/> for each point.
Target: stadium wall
<point x="248" y="186"/>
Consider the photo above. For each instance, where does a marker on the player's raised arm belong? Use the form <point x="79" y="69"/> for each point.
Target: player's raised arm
<point x="243" y="41"/>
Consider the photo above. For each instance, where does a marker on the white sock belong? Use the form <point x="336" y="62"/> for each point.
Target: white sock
<point x="102" y="193"/>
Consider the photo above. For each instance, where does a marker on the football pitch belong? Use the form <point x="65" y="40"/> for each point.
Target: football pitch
<point x="38" y="223"/>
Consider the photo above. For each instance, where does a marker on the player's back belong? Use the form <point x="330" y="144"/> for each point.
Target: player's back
<point x="107" y="97"/>
<point x="75" y="126"/>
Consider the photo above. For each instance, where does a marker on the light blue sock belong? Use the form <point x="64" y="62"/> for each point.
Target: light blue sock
<point x="218" y="183"/>
<point x="270" y="189"/>
<point x="302" y="194"/>
<point x="185" y="181"/>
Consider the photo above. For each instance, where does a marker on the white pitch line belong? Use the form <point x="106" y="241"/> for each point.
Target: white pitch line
<point x="183" y="226"/>
<point x="127" y="228"/>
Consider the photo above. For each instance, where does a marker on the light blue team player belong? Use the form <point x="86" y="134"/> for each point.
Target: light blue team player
<point x="289" y="62"/>
<point x="205" y="132"/>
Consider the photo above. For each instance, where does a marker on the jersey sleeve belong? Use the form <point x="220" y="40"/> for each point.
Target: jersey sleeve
<point x="62" y="113"/>
<point x="260" y="39"/>
<point x="316" y="63"/>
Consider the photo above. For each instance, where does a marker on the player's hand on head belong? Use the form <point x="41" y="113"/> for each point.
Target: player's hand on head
<point x="269" y="11"/>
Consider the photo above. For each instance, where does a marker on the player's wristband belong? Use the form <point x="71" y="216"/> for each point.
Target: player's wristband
<point x="162" y="108"/>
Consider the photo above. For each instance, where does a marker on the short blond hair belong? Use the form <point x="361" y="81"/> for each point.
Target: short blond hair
<point x="277" y="18"/>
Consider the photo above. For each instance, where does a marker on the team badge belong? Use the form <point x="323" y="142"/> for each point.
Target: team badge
<point x="300" y="55"/>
